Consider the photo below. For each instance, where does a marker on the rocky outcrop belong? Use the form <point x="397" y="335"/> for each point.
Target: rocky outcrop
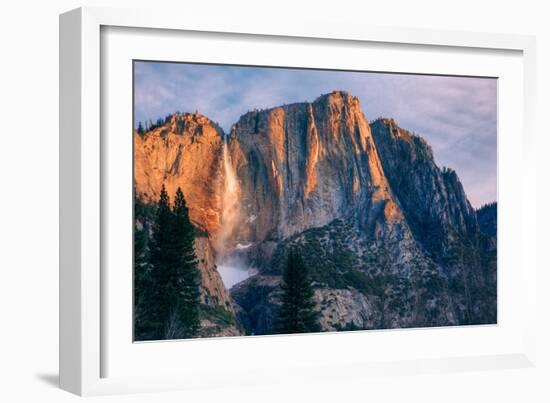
<point x="258" y="299"/>
<point x="213" y="291"/>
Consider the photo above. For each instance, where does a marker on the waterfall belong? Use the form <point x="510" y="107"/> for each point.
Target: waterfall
<point x="230" y="205"/>
<point x="231" y="263"/>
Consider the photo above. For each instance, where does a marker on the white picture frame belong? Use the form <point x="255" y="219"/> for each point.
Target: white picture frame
<point x="85" y="345"/>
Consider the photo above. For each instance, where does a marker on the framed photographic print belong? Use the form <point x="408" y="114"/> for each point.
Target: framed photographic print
<point x="235" y="201"/>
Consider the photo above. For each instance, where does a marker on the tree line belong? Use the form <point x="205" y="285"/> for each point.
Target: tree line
<point x="148" y="125"/>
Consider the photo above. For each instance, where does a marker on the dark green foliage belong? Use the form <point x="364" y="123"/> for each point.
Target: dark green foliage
<point x="167" y="278"/>
<point x="331" y="262"/>
<point x="297" y="313"/>
<point x="163" y="260"/>
<point x="149" y="125"/>
<point x="218" y="314"/>
<point x="369" y="284"/>
<point x="200" y="233"/>
<point x="323" y="249"/>
<point x="487" y="219"/>
<point x="184" y="237"/>
<point x="217" y="320"/>
<point x="142" y="272"/>
<point x="348" y="327"/>
<point x="471" y="265"/>
<point x="140" y="129"/>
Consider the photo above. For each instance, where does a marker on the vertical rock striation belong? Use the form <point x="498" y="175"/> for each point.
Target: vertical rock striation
<point x="304" y="165"/>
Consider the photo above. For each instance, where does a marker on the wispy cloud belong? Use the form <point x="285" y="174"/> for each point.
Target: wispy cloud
<point x="456" y="115"/>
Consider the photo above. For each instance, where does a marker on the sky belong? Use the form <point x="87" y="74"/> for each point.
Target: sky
<point x="456" y="115"/>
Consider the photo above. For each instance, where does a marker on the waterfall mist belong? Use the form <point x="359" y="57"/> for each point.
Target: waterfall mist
<point x="232" y="265"/>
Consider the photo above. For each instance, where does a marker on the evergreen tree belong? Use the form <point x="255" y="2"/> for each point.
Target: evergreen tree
<point x="184" y="235"/>
<point x="167" y="291"/>
<point x="142" y="275"/>
<point x="140" y="128"/>
<point x="164" y="260"/>
<point x="297" y="314"/>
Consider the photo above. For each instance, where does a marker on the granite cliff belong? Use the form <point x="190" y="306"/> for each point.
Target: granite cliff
<point x="391" y="239"/>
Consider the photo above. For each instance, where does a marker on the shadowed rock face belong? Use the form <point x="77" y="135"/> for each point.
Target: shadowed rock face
<point x="434" y="202"/>
<point x="393" y="239"/>
<point x="487" y="219"/>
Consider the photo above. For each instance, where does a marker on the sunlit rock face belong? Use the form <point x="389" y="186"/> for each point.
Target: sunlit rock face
<point x="185" y="152"/>
<point x="213" y="291"/>
<point x="391" y="238"/>
<point x="304" y="165"/>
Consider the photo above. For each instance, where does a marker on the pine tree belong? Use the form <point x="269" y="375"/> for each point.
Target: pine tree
<point x="173" y="306"/>
<point x="297" y="313"/>
<point x="167" y="279"/>
<point x="140" y="128"/>
<point x="164" y="261"/>
<point x="142" y="275"/>
<point x="184" y="235"/>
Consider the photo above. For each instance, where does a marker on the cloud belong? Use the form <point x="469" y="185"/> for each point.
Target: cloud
<point x="456" y="115"/>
